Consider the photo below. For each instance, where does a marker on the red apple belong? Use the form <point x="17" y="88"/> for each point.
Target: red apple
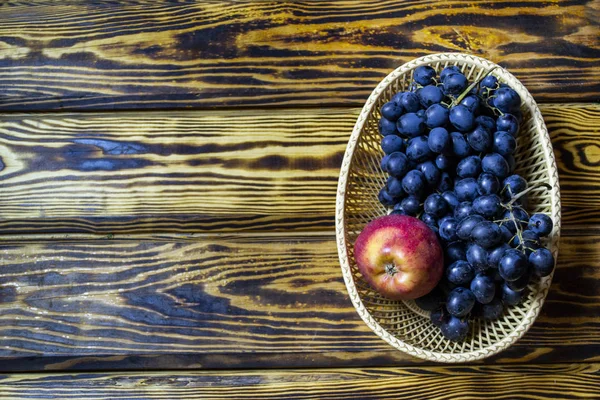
<point x="399" y="256"/>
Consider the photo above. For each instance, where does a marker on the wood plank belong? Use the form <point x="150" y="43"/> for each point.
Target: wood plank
<point x="177" y="172"/>
<point x="107" y="55"/>
<point x="235" y="301"/>
<point x="216" y="170"/>
<point x="534" y="382"/>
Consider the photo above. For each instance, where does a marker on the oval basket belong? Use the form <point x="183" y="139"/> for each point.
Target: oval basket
<point x="401" y="324"/>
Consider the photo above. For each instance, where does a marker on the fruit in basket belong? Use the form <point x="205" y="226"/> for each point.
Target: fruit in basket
<point x="541" y="224"/>
<point x="455" y="328"/>
<point x="452" y="159"/>
<point x="399" y="256"/>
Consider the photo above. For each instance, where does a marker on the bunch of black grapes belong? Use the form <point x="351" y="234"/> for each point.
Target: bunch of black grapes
<point x="449" y="149"/>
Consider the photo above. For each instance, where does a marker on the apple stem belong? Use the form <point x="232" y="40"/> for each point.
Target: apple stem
<point x="391" y="269"/>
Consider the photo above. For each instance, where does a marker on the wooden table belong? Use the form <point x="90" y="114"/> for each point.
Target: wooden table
<point x="167" y="185"/>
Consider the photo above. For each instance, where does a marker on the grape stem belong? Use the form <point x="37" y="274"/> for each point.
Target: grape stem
<point x="471" y="86"/>
<point x="524" y="192"/>
<point x="509" y="206"/>
<point x="518" y="228"/>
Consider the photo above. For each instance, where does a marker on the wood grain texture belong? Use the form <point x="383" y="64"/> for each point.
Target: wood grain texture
<point x="235" y="170"/>
<point x="232" y="301"/>
<point x="168" y="171"/>
<point x="108" y="55"/>
<point x="577" y="151"/>
<point x="533" y="382"/>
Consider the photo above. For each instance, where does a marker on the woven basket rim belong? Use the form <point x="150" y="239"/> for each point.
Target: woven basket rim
<point x="528" y="320"/>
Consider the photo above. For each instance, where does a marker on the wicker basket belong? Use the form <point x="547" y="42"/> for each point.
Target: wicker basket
<point x="402" y="324"/>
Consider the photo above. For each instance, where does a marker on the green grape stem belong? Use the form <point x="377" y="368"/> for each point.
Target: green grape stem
<point x="471" y="86"/>
<point x="514" y="220"/>
<point x="519" y="233"/>
<point x="524" y="192"/>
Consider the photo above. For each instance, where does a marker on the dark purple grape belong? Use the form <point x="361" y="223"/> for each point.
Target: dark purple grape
<point x="460" y="302"/>
<point x="451" y="199"/>
<point x="530" y="242"/>
<point x="483" y="287"/>
<point x="410" y="102"/>
<point x="508" y="123"/>
<point x="513" y="185"/>
<point x="493" y="310"/>
<point x="506" y="233"/>
<point x="455" y="251"/>
<point x="511" y="297"/>
<point x="495" y="164"/>
<point x="443" y="162"/>
<point x="445" y="182"/>
<point x="439" y="140"/>
<point x="429" y="220"/>
<point x="462" y="118"/>
<point x="392" y="143"/>
<point x="490" y="82"/>
<point x="512" y="265"/>
<point x="472" y="103"/>
<point x="460" y="273"/>
<point x="397" y="164"/>
<point x="477" y="256"/>
<point x="418" y="149"/>
<point x="411" y="205"/>
<point x="487" y="98"/>
<point x="515" y="215"/>
<point x="435" y="205"/>
<point x="411" y="125"/>
<point x="397" y="98"/>
<point x="424" y="75"/>
<point x="486" y="234"/>
<point x="398" y="211"/>
<point x="496" y="254"/>
<point x="486" y="122"/>
<point x="448" y="226"/>
<point x="540" y="224"/>
<point x="507" y="100"/>
<point x="460" y="147"/>
<point x="465" y="227"/>
<point x="455" y="83"/>
<point x="439" y="317"/>
<point x="489" y="205"/>
<point x="469" y="167"/>
<point x="384" y="163"/>
<point x="504" y="143"/>
<point x="487" y="184"/>
<point x="387" y="127"/>
<point x="394" y="187"/>
<point x="480" y="139"/>
<point x="391" y="110"/>
<point x="436" y="116"/>
<point x="542" y="262"/>
<point x="451" y="69"/>
<point x="385" y="198"/>
<point x="414" y="182"/>
<point x="455" y="329"/>
<point x="431" y="172"/>
<point x="521" y="283"/>
<point x="430" y="95"/>
<point x="463" y="210"/>
<point x="466" y="189"/>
